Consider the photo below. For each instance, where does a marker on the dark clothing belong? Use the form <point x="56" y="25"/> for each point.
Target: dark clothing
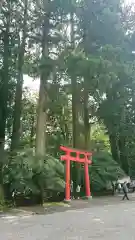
<point x="71" y="190"/>
<point x="125" y="196"/>
<point x="77" y="194"/>
<point x="125" y="191"/>
<point x="125" y="188"/>
<point x="72" y="194"/>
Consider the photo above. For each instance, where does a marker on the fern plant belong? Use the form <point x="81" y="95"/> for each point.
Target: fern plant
<point x="103" y="170"/>
<point x="25" y="173"/>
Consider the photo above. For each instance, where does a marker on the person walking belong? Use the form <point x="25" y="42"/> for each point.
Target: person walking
<point x="119" y="187"/>
<point x="72" y="189"/>
<point x="125" y="191"/>
<point x="78" y="189"/>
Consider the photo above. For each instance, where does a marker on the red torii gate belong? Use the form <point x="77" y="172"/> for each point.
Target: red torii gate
<point x="67" y="157"/>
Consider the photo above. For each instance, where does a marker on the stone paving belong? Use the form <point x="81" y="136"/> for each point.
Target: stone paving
<point x="114" y="221"/>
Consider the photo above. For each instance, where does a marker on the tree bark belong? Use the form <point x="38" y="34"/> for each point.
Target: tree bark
<point x="86" y="90"/>
<point x="41" y="120"/>
<point x="5" y="81"/>
<point x="18" y="97"/>
<point x="75" y="129"/>
<point x="114" y="147"/>
<point x="86" y="117"/>
<point x="32" y="129"/>
<point x="42" y="101"/>
<point x="123" y="156"/>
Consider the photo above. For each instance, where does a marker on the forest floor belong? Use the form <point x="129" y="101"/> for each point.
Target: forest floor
<point x="101" y="218"/>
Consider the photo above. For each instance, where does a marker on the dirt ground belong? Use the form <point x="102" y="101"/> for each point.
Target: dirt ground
<point x="49" y="208"/>
<point x="101" y="219"/>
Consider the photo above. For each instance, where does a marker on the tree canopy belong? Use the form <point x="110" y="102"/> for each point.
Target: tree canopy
<point x="82" y="53"/>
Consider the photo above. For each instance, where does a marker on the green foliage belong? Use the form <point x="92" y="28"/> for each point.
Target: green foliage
<point x="81" y="49"/>
<point x="104" y="170"/>
<point x="27" y="174"/>
<point x="99" y="138"/>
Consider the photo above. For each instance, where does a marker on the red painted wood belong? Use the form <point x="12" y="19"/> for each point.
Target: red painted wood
<point x="81" y="160"/>
<point x="85" y="160"/>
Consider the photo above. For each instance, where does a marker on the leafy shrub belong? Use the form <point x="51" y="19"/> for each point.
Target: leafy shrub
<point x="25" y="174"/>
<point x="104" y="170"/>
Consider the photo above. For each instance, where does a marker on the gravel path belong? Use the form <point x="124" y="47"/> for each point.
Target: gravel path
<point x="108" y="222"/>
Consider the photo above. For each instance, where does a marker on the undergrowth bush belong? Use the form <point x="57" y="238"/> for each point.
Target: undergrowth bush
<point x="26" y="174"/>
<point x="104" y="170"/>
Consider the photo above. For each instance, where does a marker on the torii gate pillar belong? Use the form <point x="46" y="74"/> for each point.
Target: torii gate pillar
<point x="67" y="157"/>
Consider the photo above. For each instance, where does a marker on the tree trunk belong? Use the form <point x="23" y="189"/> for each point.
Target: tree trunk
<point x="123" y="156"/>
<point x="5" y="81"/>
<point x="86" y="90"/>
<point x="18" y="97"/>
<point x="86" y="117"/>
<point x="42" y="101"/>
<point x="75" y="129"/>
<point x="41" y="120"/>
<point x="2" y="198"/>
<point x="4" y="88"/>
<point x="114" y="147"/>
<point x="76" y="173"/>
<point x="32" y="129"/>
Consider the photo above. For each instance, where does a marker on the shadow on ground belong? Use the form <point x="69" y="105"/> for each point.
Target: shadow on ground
<point x="49" y="208"/>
